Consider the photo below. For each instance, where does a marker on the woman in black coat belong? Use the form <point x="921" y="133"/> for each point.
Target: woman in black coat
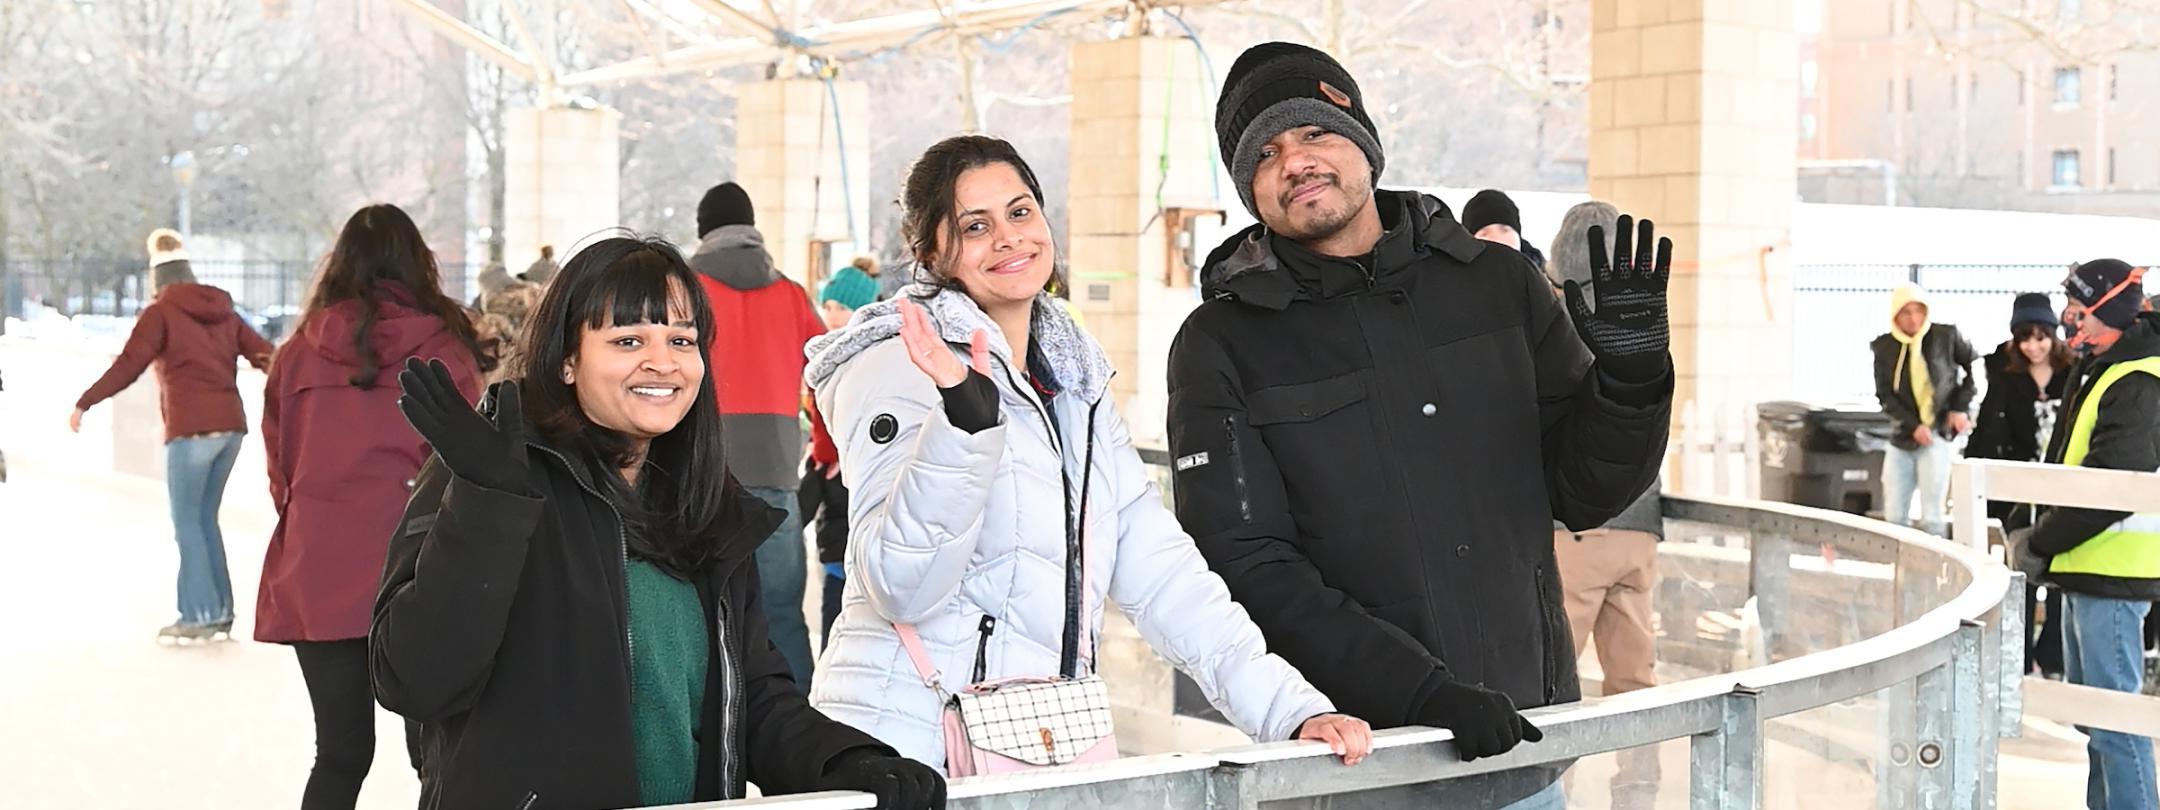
<point x="2026" y="376"/>
<point x="569" y="609"/>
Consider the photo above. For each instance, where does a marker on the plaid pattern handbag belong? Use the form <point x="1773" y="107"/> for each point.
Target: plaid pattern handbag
<point x="1023" y="723"/>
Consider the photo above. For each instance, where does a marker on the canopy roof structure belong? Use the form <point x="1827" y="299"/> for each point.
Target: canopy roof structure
<point x="790" y="36"/>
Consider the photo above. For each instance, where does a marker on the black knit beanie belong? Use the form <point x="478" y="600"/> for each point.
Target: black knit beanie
<point x="2093" y="280"/>
<point x="725" y="204"/>
<point x="1278" y="86"/>
<point x="1491" y="207"/>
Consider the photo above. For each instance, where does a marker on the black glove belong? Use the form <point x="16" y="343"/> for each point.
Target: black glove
<point x="489" y="454"/>
<point x="1629" y="332"/>
<point x="1484" y="721"/>
<point x="898" y="782"/>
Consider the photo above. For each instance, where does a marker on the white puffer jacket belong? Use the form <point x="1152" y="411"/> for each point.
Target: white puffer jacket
<point x="947" y="527"/>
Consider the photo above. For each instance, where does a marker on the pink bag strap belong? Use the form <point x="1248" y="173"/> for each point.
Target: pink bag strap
<point x="912" y="642"/>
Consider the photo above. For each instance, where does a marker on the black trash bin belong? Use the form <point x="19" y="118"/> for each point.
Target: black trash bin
<point x="1826" y="456"/>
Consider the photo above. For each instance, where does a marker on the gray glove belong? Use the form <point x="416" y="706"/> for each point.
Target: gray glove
<point x="2024" y="559"/>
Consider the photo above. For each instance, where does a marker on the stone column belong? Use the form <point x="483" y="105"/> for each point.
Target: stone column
<point x="562" y="180"/>
<point x="1143" y="142"/>
<point x="789" y="155"/>
<point x="1693" y="125"/>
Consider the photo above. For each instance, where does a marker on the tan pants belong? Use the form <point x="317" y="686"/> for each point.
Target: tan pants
<point x="1606" y="576"/>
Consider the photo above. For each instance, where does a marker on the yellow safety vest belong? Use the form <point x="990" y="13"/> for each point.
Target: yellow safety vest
<point x="2131" y="548"/>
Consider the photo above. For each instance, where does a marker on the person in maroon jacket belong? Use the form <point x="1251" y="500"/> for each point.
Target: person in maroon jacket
<point x="190" y="335"/>
<point x="341" y="460"/>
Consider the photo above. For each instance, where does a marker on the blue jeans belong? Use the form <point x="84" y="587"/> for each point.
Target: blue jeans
<point x="1922" y="472"/>
<point x="196" y="468"/>
<point x="2104" y="647"/>
<point x="782" y="568"/>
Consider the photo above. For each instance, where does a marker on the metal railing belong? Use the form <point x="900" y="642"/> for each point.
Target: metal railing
<point x="1975" y="482"/>
<point x="1948" y="664"/>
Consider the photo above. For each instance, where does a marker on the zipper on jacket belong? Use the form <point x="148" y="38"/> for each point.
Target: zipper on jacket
<point x="982" y="648"/>
<point x="531" y="798"/>
<point x="1544" y="612"/>
<point x="1076" y="555"/>
<point x="733" y="678"/>
<point x="1237" y="469"/>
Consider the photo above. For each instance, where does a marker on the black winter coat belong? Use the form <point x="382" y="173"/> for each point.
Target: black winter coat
<point x="1371" y="453"/>
<point x="1949" y="360"/>
<point x="2125" y="436"/>
<point x="2008" y="425"/>
<point x="502" y="628"/>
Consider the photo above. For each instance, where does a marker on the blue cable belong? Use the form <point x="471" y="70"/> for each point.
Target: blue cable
<point x="847" y="199"/>
<point x="1207" y="69"/>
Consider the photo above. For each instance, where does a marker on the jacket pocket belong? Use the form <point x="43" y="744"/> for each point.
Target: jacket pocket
<point x="1304" y="402"/>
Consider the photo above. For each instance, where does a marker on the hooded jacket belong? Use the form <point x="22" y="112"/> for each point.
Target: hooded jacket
<point x="190" y="335"/>
<point x="1949" y="360"/>
<point x="1371" y="452"/>
<point x="502" y="628"/>
<point x="342" y="459"/>
<point x="762" y="320"/>
<point x="968" y="536"/>
<point x="2126" y="437"/>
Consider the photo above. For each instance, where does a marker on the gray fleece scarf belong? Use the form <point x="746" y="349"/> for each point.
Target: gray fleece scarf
<point x="1078" y="361"/>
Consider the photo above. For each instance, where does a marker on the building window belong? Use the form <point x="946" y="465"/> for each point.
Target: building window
<point x="2066" y="168"/>
<point x="1807" y="126"/>
<point x="2114" y="74"/>
<point x="2066" y="86"/>
<point x="2111" y="167"/>
<point x="1810" y="73"/>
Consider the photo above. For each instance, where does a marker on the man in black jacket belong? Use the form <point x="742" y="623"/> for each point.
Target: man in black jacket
<point x="1375" y="417"/>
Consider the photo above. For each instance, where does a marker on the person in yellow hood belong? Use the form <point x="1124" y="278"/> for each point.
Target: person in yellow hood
<point x="1924" y="380"/>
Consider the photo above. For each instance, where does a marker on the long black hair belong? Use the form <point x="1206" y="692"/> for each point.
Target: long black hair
<point x="381" y="246"/>
<point x="932" y="214"/>
<point x="680" y="502"/>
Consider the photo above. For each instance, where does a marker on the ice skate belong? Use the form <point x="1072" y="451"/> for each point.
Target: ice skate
<point x="183" y="634"/>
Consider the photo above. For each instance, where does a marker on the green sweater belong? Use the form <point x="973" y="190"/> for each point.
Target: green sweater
<point x="668" y="657"/>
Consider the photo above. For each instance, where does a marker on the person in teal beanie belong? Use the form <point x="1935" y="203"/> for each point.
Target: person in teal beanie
<point x="848" y="290"/>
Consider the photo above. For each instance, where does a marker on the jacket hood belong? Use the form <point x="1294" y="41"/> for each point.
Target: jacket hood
<point x="1076" y="359"/>
<point x="399" y="330"/>
<point x="735" y="255"/>
<point x="1246" y="265"/>
<point x="202" y="302"/>
<point x="1908" y="294"/>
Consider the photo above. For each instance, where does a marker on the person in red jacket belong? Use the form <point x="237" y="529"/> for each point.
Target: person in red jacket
<point x="190" y="335"/>
<point x="341" y="460"/>
<point x="763" y="319"/>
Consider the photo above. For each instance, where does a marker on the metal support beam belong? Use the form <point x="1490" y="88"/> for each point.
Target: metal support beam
<point x="2010" y="695"/>
<point x="471" y="38"/>
<point x="1726" y="768"/>
<point x="741" y="20"/>
<point x="1969" y="747"/>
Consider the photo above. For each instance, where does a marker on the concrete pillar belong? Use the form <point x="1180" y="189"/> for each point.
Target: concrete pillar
<point x="562" y="180"/>
<point x="1693" y="122"/>
<point x="789" y="156"/>
<point x="1140" y="111"/>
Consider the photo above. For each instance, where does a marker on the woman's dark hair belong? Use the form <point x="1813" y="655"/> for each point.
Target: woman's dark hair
<point x="380" y="256"/>
<point x="931" y="212"/>
<point x="2058" y="351"/>
<point x="679" y="503"/>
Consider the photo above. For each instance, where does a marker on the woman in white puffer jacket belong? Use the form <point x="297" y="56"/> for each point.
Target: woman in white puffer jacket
<point x="984" y="454"/>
